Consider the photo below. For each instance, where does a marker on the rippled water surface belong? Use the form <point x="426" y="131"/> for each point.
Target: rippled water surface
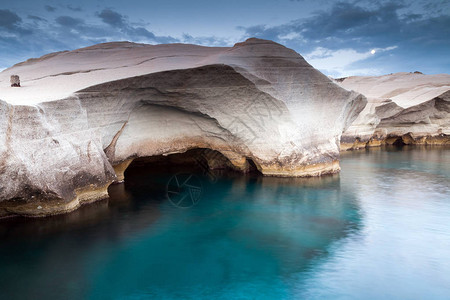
<point x="379" y="230"/>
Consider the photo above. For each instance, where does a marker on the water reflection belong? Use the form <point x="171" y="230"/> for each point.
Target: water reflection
<point x="379" y="229"/>
<point x="401" y="250"/>
<point x="245" y="229"/>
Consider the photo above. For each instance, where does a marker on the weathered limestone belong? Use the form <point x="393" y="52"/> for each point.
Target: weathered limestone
<point x="49" y="158"/>
<point x="405" y="108"/>
<point x="257" y="101"/>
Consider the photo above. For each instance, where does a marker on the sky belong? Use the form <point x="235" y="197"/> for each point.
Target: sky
<point x="340" y="38"/>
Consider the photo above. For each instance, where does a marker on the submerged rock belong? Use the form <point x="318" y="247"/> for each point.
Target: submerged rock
<point x="88" y="113"/>
<point x="403" y="108"/>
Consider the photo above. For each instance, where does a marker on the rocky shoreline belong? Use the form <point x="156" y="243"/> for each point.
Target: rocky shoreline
<point x="403" y="109"/>
<point x="81" y="118"/>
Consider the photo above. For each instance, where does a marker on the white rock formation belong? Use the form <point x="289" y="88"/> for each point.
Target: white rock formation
<point x="82" y="116"/>
<point x="409" y="108"/>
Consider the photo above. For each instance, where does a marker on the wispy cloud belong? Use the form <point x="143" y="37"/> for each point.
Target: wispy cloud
<point x="337" y="38"/>
<point x="351" y="31"/>
<point x="74" y="8"/>
<point x="37" y="36"/>
<point x="338" y="63"/>
<point x="120" y="22"/>
<point x="67" y="21"/>
<point x="208" y="40"/>
<point x="11" y="23"/>
<point x="112" y="18"/>
<point x="49" y="8"/>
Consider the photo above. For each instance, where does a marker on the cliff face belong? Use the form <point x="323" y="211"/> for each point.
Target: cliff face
<point x="81" y="117"/>
<point x="406" y="108"/>
<point x="50" y="159"/>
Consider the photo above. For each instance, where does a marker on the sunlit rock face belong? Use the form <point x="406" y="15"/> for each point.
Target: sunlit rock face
<point x="404" y="108"/>
<point x="81" y="117"/>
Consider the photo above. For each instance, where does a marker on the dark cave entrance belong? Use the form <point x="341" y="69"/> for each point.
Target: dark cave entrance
<point x="180" y="176"/>
<point x="399" y="142"/>
<point x="199" y="161"/>
<point x="251" y="167"/>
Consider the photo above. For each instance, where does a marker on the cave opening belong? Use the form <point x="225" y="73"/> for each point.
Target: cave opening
<point x="200" y="161"/>
<point x="251" y="167"/>
<point x="399" y="142"/>
<point x="186" y="175"/>
<point x="181" y="174"/>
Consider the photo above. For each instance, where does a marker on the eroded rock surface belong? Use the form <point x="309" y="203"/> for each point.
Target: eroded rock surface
<point x="81" y="117"/>
<point x="404" y="108"/>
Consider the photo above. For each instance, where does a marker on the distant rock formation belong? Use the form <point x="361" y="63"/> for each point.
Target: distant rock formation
<point x="403" y="108"/>
<point x="87" y="114"/>
<point x="15" y="81"/>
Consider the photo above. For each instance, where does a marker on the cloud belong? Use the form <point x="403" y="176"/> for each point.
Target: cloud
<point x="66" y="32"/>
<point x="9" y="19"/>
<point x="412" y="17"/>
<point x="36" y="18"/>
<point x="112" y="18"/>
<point x="437" y="6"/>
<point x="269" y="33"/>
<point x="349" y="20"/>
<point x="68" y="21"/>
<point x="338" y="63"/>
<point x="349" y="25"/>
<point x="12" y="23"/>
<point x="339" y="25"/>
<point x="120" y="22"/>
<point x="49" y="8"/>
<point x="208" y="40"/>
<point x="74" y="8"/>
<point x="336" y="39"/>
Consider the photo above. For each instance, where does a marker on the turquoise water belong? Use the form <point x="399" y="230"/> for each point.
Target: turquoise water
<point x="379" y="230"/>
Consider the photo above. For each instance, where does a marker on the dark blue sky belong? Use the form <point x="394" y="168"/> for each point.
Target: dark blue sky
<point x="340" y="38"/>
